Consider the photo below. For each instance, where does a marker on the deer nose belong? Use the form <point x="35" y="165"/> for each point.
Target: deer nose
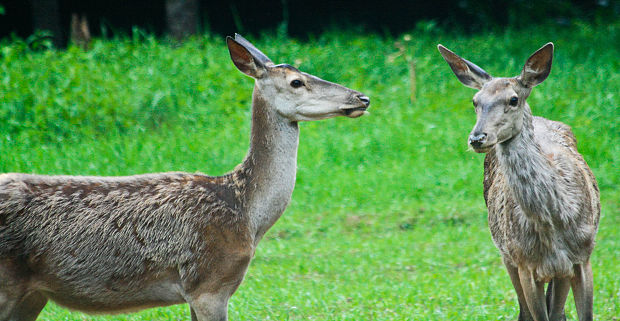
<point x="476" y="140"/>
<point x="364" y="100"/>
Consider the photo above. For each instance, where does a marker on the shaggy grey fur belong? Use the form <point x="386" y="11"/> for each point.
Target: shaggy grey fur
<point x="542" y="198"/>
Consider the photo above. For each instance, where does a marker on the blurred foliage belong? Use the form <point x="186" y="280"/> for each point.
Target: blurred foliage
<point x="523" y="13"/>
<point x="54" y="95"/>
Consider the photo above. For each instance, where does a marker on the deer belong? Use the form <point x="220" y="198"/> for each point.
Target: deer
<point x="121" y="244"/>
<point x="542" y="198"/>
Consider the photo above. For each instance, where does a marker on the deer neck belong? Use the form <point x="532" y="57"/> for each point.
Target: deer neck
<point x="270" y="164"/>
<point x="530" y="175"/>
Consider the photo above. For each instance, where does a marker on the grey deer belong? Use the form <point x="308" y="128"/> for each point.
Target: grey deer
<point x="542" y="198"/>
<point x="122" y="244"/>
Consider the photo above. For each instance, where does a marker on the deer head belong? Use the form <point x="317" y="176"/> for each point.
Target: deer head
<point x="296" y="95"/>
<point x="499" y="102"/>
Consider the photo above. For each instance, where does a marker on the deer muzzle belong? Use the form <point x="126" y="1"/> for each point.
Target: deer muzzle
<point x="477" y="140"/>
<point x="358" y="111"/>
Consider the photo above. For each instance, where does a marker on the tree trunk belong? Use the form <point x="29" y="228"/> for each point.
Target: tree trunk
<point x="182" y="18"/>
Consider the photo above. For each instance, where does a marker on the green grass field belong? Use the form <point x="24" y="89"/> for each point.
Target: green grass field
<point x="387" y="221"/>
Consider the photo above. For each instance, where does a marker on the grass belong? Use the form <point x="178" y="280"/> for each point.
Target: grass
<point x="387" y="221"/>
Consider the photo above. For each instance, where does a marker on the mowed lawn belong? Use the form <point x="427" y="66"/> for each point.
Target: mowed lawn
<point x="387" y="221"/>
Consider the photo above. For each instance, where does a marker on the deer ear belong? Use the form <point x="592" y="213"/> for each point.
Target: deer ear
<point x="244" y="60"/>
<point x="467" y="72"/>
<point x="257" y="54"/>
<point x="537" y="67"/>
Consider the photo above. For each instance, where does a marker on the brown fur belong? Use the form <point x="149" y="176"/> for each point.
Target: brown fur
<point x="146" y="227"/>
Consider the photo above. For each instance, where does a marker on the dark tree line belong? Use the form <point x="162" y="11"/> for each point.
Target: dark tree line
<point x="180" y="18"/>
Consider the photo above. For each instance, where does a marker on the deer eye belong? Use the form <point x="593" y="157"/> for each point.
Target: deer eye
<point x="514" y="101"/>
<point x="474" y="102"/>
<point x="296" y="83"/>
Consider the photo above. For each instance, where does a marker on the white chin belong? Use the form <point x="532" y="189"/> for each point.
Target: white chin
<point x="482" y="150"/>
<point x="356" y="113"/>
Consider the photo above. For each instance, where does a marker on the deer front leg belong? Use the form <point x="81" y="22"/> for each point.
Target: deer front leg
<point x="524" y="312"/>
<point x="583" y="291"/>
<point x="211" y="303"/>
<point x="193" y="314"/>
<point x="534" y="293"/>
<point x="210" y="306"/>
<point x="556" y="298"/>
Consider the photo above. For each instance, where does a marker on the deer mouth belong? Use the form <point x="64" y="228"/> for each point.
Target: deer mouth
<point x="482" y="149"/>
<point x="355" y="112"/>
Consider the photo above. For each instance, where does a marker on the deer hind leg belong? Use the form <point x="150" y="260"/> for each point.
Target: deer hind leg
<point x="583" y="290"/>
<point x="12" y="289"/>
<point x="556" y="298"/>
<point x="7" y="305"/>
<point x="524" y="312"/>
<point x="534" y="293"/>
<point x="16" y="306"/>
<point x="549" y="295"/>
<point x="29" y="307"/>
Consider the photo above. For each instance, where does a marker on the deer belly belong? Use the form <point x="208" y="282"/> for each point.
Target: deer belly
<point x="522" y="244"/>
<point x="115" y="296"/>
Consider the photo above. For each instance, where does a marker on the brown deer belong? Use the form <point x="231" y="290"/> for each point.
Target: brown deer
<point x="542" y="198"/>
<point x="121" y="244"/>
